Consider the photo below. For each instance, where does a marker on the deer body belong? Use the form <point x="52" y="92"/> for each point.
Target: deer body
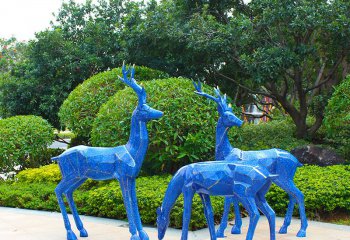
<point x="123" y="163"/>
<point x="220" y="178"/>
<point x="275" y="161"/>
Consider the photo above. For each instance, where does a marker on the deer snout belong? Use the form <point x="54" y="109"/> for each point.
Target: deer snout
<point x="240" y="122"/>
<point x="156" y="114"/>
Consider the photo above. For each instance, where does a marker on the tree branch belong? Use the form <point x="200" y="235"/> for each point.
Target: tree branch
<point x="247" y="88"/>
<point x="312" y="130"/>
<point x="317" y="85"/>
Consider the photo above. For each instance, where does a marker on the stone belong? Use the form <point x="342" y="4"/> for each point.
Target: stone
<point x="316" y="155"/>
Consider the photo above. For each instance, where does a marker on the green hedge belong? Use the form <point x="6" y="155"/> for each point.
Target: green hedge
<point x="24" y="141"/>
<point x="326" y="190"/>
<point x="273" y="134"/>
<point x="185" y="134"/>
<point x="79" y="110"/>
<point x="337" y="117"/>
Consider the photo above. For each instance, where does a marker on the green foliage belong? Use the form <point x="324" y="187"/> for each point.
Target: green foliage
<point x="273" y="134"/>
<point x="23" y="141"/>
<point x="337" y="119"/>
<point x="79" y="110"/>
<point x="45" y="174"/>
<point x="11" y="51"/>
<point x="80" y="43"/>
<point x="326" y="190"/>
<point x="16" y="97"/>
<point x="275" y="48"/>
<point x="65" y="134"/>
<point x="183" y="135"/>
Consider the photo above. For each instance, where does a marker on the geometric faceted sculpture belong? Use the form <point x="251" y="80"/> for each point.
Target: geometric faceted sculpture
<point x="220" y="178"/>
<point x="275" y="161"/>
<point x="123" y="163"/>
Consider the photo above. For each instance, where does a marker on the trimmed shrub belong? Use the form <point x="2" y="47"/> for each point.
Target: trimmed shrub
<point x="326" y="190"/>
<point x="273" y="134"/>
<point x="185" y="134"/>
<point x="79" y="110"/>
<point x="49" y="173"/>
<point x="23" y="141"/>
<point x="337" y="117"/>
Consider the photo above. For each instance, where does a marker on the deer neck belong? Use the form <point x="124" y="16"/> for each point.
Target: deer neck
<point x="223" y="146"/>
<point x="173" y="192"/>
<point x="138" y="140"/>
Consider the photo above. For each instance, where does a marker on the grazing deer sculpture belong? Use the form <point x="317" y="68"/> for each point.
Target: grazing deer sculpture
<point x="275" y="161"/>
<point x="219" y="178"/>
<point x="123" y="163"/>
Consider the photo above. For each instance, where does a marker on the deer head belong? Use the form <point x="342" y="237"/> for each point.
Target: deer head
<point x="162" y="223"/>
<point x="229" y="119"/>
<point x="143" y="112"/>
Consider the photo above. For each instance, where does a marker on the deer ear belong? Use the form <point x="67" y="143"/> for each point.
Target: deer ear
<point x="159" y="211"/>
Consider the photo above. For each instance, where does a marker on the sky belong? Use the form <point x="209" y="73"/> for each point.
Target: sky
<point x="22" y="18"/>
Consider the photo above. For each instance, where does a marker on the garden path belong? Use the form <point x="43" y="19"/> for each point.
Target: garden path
<point x="19" y="224"/>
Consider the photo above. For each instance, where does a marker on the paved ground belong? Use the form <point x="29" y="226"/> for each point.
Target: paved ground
<point x="56" y="144"/>
<point x="18" y="224"/>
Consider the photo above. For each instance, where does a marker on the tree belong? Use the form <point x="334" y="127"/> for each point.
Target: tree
<point x="337" y="117"/>
<point x="291" y="51"/>
<point x="81" y="42"/>
<point x="11" y="52"/>
<point x="295" y="50"/>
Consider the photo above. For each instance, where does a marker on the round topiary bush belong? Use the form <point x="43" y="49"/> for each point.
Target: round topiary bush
<point x="23" y="139"/>
<point x="273" y="134"/>
<point x="79" y="110"/>
<point x="337" y="116"/>
<point x="185" y="134"/>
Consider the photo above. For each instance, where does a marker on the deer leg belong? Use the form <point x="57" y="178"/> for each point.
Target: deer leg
<point x="288" y="217"/>
<point x="126" y="191"/>
<point x="143" y="235"/>
<point x="186" y="217"/>
<point x="220" y="233"/>
<point x="267" y="210"/>
<point x="298" y="196"/>
<point x="250" y="205"/>
<point x="236" y="229"/>
<point x="60" y="189"/>
<point x="69" y="196"/>
<point x="208" y="212"/>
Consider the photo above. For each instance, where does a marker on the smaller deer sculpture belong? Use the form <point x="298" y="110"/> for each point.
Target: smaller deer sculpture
<point x="275" y="161"/>
<point x="220" y="178"/>
<point x="123" y="163"/>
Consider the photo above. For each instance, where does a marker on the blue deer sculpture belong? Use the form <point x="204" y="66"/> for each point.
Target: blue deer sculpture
<point x="219" y="178"/>
<point x="123" y="163"/>
<point x="275" y="161"/>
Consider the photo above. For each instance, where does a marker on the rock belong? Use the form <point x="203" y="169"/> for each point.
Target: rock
<point x="315" y="155"/>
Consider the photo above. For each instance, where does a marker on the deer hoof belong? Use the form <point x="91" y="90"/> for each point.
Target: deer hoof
<point x="71" y="235"/>
<point x="235" y="230"/>
<point x="283" y="230"/>
<point x="301" y="233"/>
<point x="220" y="233"/>
<point x="83" y="233"/>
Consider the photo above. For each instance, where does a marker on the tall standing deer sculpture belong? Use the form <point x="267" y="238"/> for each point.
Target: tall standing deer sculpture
<point x="123" y="163"/>
<point x="275" y="161"/>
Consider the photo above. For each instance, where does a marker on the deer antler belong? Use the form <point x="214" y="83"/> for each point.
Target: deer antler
<point x="198" y="87"/>
<point x="131" y="82"/>
<point x="220" y="100"/>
